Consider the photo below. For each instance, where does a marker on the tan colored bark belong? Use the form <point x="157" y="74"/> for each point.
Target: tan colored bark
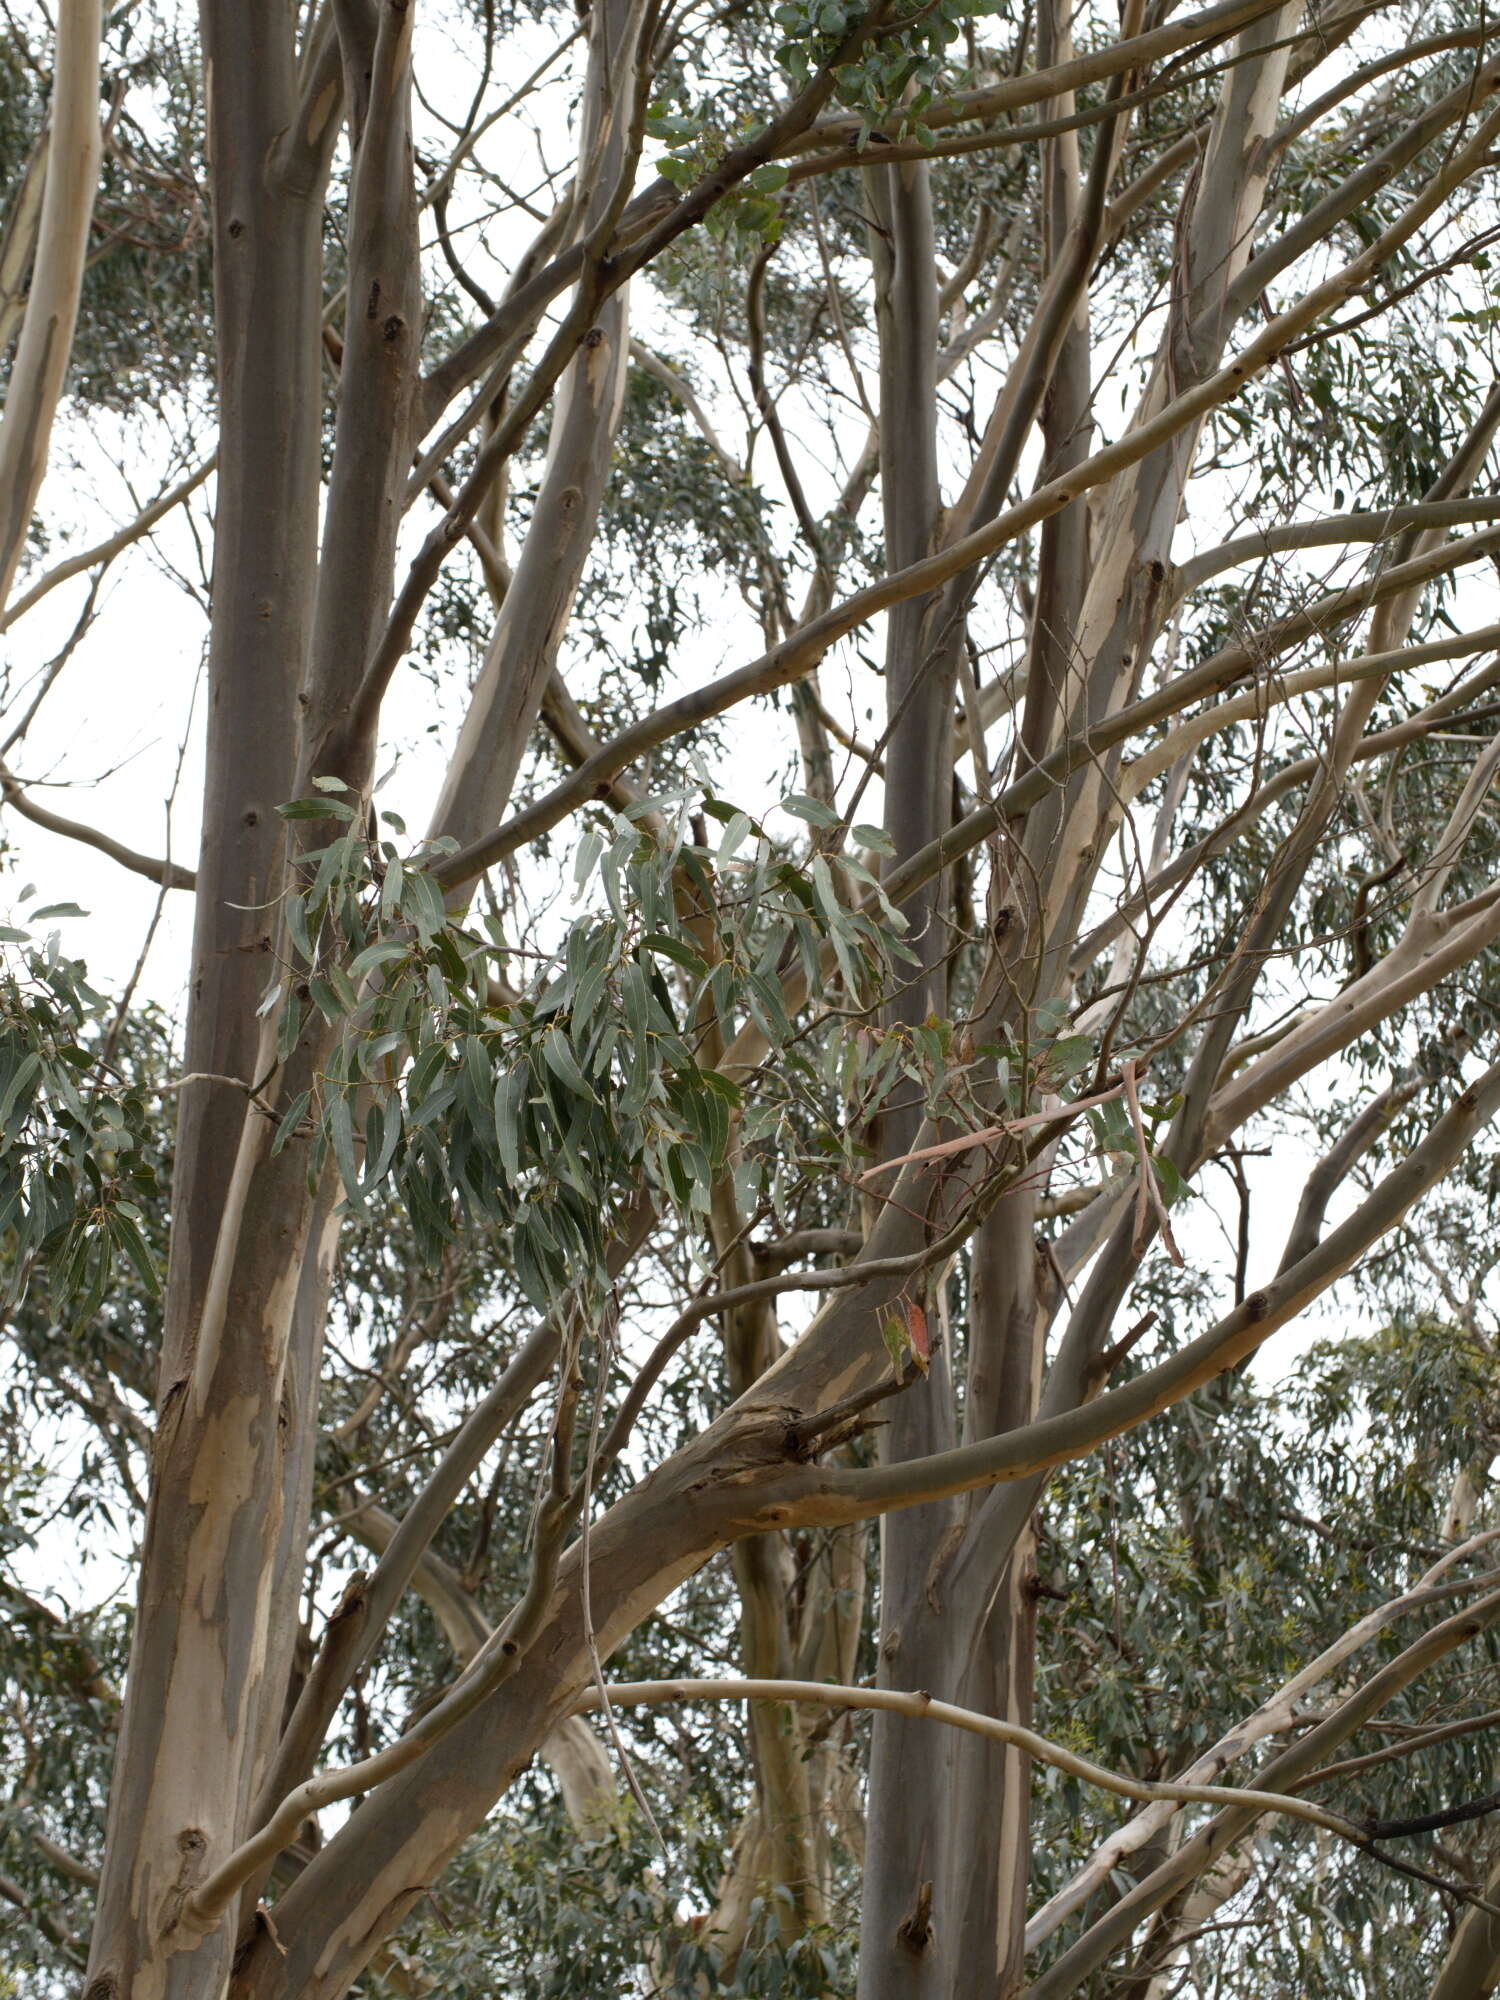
<point x="1471" y="1969"/>
<point x="18" y="239"/>
<point x="72" y="157"/>
<point x="573" y="1753"/>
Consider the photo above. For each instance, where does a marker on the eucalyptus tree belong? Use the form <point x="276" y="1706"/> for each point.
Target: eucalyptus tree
<point x="958" y="536"/>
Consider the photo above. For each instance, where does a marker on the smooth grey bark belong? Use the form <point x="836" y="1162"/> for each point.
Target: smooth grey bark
<point x="1471" y="1969"/>
<point x="1192" y="1132"/>
<point x="227" y="1523"/>
<point x="490" y="750"/>
<point x="989" y="1609"/>
<point x="983" y="1601"/>
<point x="373" y="437"/>
<point x="172" y="1792"/>
<point x="900" y="1952"/>
<point x="977" y="1590"/>
<point x="523" y="650"/>
<point x="990" y="1622"/>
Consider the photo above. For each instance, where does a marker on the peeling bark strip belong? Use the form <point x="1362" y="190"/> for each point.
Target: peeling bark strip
<point x="1038" y="631"/>
<point x="71" y="166"/>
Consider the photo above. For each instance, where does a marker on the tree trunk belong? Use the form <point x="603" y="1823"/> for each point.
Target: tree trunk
<point x="533" y="617"/>
<point x="204" y="1616"/>
<point x="900" y="1952"/>
<point x="225" y="1538"/>
<point x="1471" y="1970"/>
<point x="990" y="1610"/>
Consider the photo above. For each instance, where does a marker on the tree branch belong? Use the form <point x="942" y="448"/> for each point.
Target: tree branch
<point x="799" y="655"/>
<point x="46" y="343"/>
<point x="895" y="1701"/>
<point x="166" y="874"/>
<point x="834" y="1494"/>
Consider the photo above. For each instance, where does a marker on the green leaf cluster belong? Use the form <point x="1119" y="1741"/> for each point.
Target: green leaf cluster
<point x="75" y="1145"/>
<point x="532" y="1111"/>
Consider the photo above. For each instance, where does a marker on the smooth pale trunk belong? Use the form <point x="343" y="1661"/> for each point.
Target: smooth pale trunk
<point x="70" y="160"/>
<point x="202" y="1644"/>
<point x="989" y="1607"/>
<point x="533" y="617"/>
<point x="905" y="1861"/>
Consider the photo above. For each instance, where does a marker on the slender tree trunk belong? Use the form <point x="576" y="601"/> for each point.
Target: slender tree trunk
<point x="763" y="1578"/>
<point x="18" y="239"/>
<point x="990" y="1624"/>
<point x="1471" y="1970"/>
<point x="1094" y="627"/>
<point x="227" y="1520"/>
<point x="529" y="630"/>
<point x="1138" y="512"/>
<point x="989" y="1611"/>
<point x="71" y="159"/>
<point x="900" y="1950"/>
<point x="200" y="1646"/>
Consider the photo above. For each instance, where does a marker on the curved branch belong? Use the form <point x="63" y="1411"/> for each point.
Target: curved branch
<point x="1280" y="688"/>
<point x="1212" y="675"/>
<point x="655" y="218"/>
<point x="1195" y="1856"/>
<point x="897" y="1701"/>
<point x="1269" y="1719"/>
<point x="1459" y="705"/>
<point x="46" y="342"/>
<point x="370" y="1609"/>
<point x="1325" y="533"/>
<point x="166" y="874"/>
<point x="1213" y="24"/>
<point x="110" y="547"/>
